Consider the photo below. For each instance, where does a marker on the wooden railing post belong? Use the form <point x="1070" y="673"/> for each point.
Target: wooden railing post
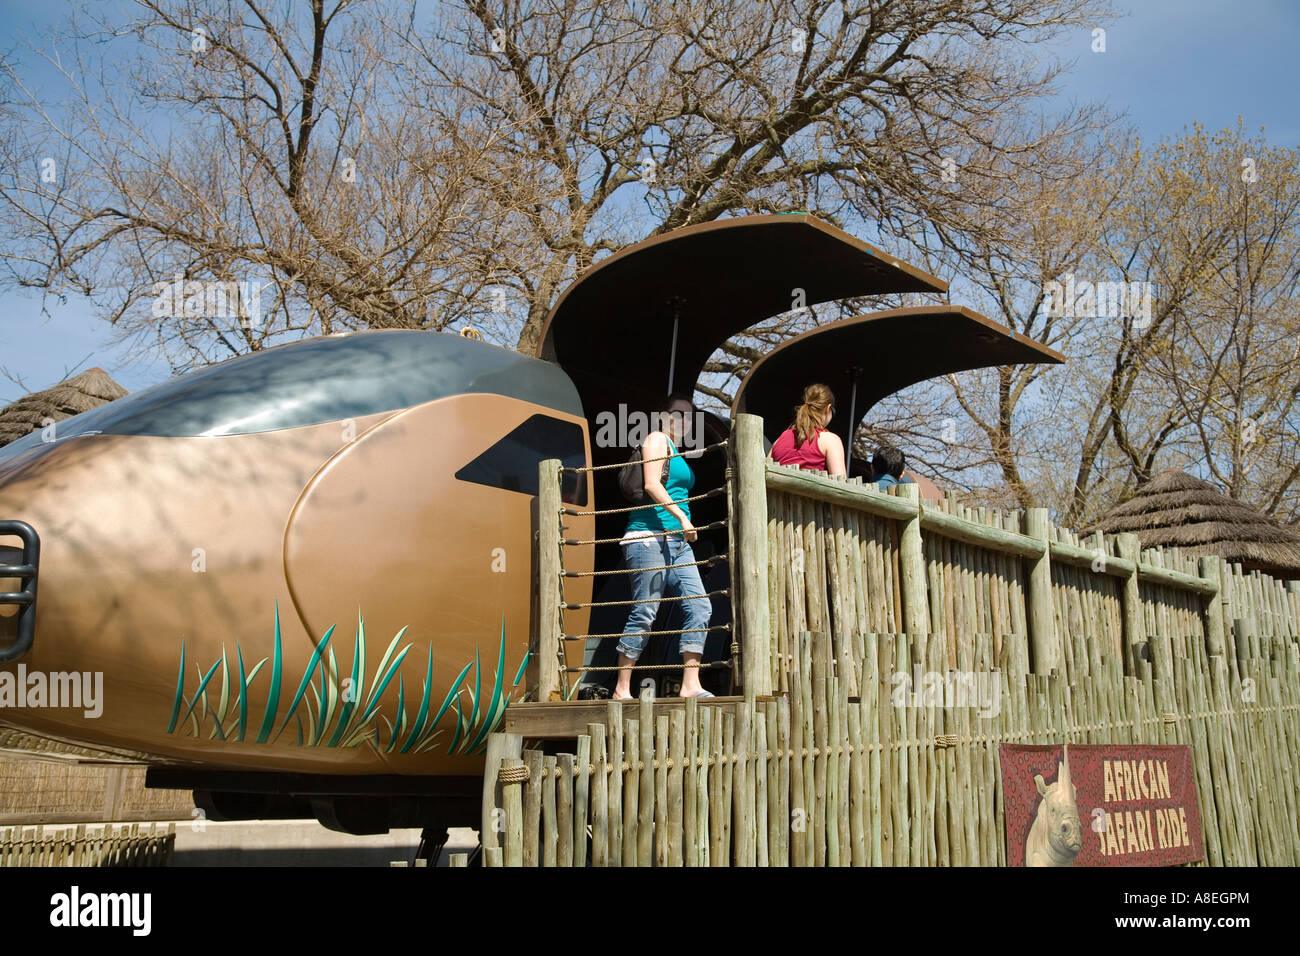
<point x="513" y="806"/>
<point x="911" y="564"/>
<point x="1042" y="617"/>
<point x="750" y="573"/>
<point x="1135" y="625"/>
<point x="1214" y="640"/>
<point x="500" y="747"/>
<point x="545" y="668"/>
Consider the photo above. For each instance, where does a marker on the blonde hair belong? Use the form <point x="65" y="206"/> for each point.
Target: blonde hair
<point x="817" y="400"/>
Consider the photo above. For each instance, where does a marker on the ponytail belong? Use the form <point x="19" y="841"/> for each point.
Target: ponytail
<point x="817" y="400"/>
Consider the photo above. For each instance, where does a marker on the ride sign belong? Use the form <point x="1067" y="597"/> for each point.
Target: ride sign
<point x="1102" y="805"/>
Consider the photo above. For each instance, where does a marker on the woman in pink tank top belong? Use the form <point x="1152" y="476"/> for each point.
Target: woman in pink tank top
<point x="806" y="442"/>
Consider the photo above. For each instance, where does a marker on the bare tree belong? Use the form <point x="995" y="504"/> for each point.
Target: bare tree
<point x="646" y="117"/>
<point x="1230" y="363"/>
<point x="1198" y="371"/>
<point x="249" y="149"/>
<point x="375" y="170"/>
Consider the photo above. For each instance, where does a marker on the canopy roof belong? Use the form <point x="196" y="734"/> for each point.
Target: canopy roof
<point x="612" y="330"/>
<point x="1175" y="509"/>
<point x="889" y="350"/>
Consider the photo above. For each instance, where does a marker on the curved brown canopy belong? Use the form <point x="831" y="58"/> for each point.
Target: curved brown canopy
<point x="612" y="330"/>
<point x="886" y="351"/>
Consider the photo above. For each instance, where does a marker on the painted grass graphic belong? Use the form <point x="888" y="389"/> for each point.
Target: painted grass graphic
<point x="329" y="712"/>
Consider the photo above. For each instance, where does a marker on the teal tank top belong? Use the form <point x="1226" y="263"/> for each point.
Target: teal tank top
<point x="679" y="484"/>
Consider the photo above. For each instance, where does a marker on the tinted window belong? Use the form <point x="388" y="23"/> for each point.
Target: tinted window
<point x="323" y="380"/>
<point x="512" y="462"/>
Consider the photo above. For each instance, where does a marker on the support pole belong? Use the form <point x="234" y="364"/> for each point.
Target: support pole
<point x="1043" y="638"/>
<point x="513" y="806"/>
<point x="911" y="562"/>
<point x="672" y="357"/>
<point x="549" y="660"/>
<point x="1135" y="625"/>
<point x="1214" y="639"/>
<point x="500" y="748"/>
<point x="750" y="573"/>
<point x="853" y="408"/>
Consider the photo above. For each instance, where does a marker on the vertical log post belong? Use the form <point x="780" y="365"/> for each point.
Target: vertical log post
<point x="911" y="563"/>
<point x="1214" y="640"/>
<point x="500" y="748"/>
<point x="1135" y="625"/>
<point x="1043" y="638"/>
<point x="546" y="666"/>
<point x="513" y="805"/>
<point x="750" y="573"/>
<point x="1293" y="592"/>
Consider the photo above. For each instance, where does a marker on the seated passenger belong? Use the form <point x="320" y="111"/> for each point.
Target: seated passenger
<point x="887" y="467"/>
<point x="806" y="442"/>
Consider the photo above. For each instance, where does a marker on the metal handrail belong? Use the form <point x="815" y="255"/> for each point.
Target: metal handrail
<point x="26" y="598"/>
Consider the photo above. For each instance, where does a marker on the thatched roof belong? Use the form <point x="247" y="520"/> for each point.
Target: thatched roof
<point x="73" y="396"/>
<point x="1173" y="508"/>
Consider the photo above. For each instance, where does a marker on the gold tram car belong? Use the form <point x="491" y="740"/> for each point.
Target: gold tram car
<point x="303" y="578"/>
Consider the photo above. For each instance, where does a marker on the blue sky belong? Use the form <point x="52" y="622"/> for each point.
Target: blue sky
<point x="1167" y="63"/>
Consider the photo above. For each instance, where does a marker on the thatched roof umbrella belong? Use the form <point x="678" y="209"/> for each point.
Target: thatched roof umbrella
<point x="73" y="396"/>
<point x="1174" y="508"/>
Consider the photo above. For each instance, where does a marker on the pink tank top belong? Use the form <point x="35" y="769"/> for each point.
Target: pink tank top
<point x="807" y="455"/>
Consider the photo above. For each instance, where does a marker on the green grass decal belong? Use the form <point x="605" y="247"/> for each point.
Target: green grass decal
<point x="273" y="704"/>
<point x="490" y="720"/>
<point x="242" y="703"/>
<point x="329" y="712"/>
<point x="180" y="691"/>
<point x="306" y="680"/>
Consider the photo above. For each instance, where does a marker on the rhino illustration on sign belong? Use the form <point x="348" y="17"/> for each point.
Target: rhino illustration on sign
<point x="1057" y="834"/>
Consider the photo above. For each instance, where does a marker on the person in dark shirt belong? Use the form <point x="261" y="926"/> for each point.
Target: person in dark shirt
<point x="887" y="467"/>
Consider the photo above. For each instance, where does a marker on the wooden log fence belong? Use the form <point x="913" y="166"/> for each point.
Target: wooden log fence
<point x="52" y="787"/>
<point x="854" y="744"/>
<point x="904" y="775"/>
<point x="135" y="844"/>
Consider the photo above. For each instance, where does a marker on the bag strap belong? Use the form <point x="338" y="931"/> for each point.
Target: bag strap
<point x="663" y="478"/>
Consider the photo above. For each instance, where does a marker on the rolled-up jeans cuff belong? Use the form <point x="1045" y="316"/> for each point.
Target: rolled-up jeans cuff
<point x="632" y="653"/>
<point x="692" y="647"/>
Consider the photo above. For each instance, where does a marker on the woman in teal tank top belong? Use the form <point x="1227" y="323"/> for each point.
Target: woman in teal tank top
<point x="681" y="479"/>
<point x="656" y="548"/>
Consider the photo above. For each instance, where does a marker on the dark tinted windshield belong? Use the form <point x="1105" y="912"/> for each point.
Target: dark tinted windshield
<point x="322" y="380"/>
<point x="512" y="462"/>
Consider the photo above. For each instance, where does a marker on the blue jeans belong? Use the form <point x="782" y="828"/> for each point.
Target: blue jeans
<point x="649" y="586"/>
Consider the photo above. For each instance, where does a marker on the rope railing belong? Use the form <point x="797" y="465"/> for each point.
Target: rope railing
<point x="724" y="592"/>
<point x="645" y="534"/>
<point x="721" y="490"/>
<point x="553" y="570"/>
<point x="716" y="559"/>
<point x="711" y="666"/>
<point x="689" y="630"/>
<point x="693" y="453"/>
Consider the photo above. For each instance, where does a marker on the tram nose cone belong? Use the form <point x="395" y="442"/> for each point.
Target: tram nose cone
<point x="65" y="493"/>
